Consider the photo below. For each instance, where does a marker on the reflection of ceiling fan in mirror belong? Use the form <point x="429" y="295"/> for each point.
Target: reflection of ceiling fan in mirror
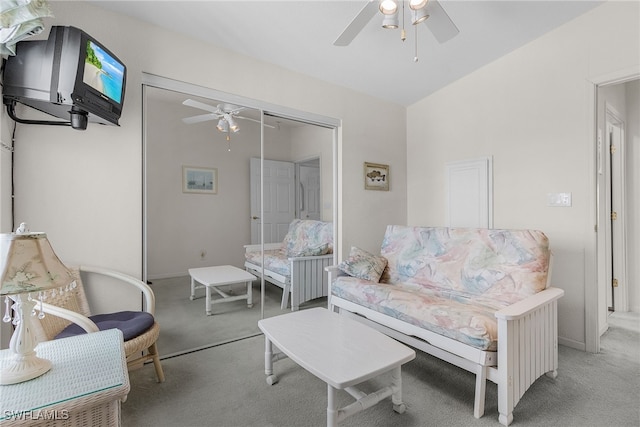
<point x="225" y="114"/>
<point x="393" y="13"/>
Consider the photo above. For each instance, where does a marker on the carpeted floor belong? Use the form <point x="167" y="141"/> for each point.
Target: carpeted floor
<point x="225" y="386"/>
<point x="184" y="325"/>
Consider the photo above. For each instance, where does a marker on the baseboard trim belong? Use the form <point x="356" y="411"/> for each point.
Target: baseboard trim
<point x="571" y="343"/>
<point x="167" y="276"/>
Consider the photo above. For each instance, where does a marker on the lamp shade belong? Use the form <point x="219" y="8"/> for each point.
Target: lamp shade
<point x="418" y="16"/>
<point x="388" y="7"/>
<point x="417" y="4"/>
<point x="390" y="22"/>
<point x="223" y="126"/>
<point x="28" y="264"/>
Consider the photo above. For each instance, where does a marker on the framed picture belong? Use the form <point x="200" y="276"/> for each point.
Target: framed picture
<point x="376" y="177"/>
<point x="199" y="180"/>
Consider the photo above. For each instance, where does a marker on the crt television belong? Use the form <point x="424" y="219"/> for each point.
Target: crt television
<point x="70" y="76"/>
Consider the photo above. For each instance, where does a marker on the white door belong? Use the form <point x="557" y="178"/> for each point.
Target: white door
<point x="309" y="195"/>
<point x="616" y="298"/>
<point x="279" y="199"/>
<point x="469" y="193"/>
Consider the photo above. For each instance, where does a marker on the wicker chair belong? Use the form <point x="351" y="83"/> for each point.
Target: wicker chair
<point x="71" y="306"/>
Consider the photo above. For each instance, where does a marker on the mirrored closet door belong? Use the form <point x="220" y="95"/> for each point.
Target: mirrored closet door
<point x="204" y="201"/>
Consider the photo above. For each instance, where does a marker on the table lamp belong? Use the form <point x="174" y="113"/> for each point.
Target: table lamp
<point x="28" y="268"/>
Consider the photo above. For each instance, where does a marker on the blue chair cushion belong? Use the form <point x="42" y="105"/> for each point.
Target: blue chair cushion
<point x="131" y="323"/>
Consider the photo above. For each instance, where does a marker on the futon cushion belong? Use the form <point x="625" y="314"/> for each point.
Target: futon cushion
<point x="131" y="323"/>
<point x="274" y="260"/>
<point x="465" y="318"/>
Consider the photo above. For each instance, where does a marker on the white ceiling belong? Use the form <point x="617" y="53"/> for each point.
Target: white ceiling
<point x="298" y="35"/>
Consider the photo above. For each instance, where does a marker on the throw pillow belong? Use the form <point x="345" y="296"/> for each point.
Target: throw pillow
<point x="363" y="265"/>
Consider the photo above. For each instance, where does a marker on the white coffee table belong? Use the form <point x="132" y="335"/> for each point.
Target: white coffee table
<point x="341" y="352"/>
<point x="214" y="277"/>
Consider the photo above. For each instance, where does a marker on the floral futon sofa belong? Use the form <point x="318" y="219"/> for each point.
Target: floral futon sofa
<point x="298" y="263"/>
<point x="477" y="298"/>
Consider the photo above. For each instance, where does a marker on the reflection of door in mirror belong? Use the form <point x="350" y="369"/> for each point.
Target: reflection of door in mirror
<point x="308" y="201"/>
<point x="279" y="195"/>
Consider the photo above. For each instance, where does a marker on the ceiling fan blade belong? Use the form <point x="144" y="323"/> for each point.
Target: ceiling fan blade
<point x="254" y="120"/>
<point x="353" y="29"/>
<point x="439" y="23"/>
<point x="200" y="105"/>
<point x="200" y="118"/>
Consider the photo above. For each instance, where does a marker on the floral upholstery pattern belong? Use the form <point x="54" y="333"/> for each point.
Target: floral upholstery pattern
<point x="274" y="260"/>
<point x="308" y="237"/>
<point x="304" y="238"/>
<point x="452" y="281"/>
<point x="363" y="265"/>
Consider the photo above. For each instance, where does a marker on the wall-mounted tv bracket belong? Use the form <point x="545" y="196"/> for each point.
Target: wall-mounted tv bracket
<point x="78" y="117"/>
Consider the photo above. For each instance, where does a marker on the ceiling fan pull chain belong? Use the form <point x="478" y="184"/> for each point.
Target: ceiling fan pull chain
<point x="403" y="33"/>
<point x="415" y="58"/>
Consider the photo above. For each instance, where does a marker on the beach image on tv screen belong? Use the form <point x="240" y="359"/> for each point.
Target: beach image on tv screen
<point x="103" y="73"/>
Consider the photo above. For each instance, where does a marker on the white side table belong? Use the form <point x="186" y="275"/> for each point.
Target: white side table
<point x="85" y="385"/>
<point x="213" y="277"/>
<point x="341" y="352"/>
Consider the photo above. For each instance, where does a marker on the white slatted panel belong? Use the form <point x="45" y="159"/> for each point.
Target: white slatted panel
<point x="309" y="280"/>
<point x="534" y="341"/>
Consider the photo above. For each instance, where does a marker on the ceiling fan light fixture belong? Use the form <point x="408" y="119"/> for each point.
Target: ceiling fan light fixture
<point x="233" y="126"/>
<point x="418" y="16"/>
<point x="417" y="4"/>
<point x="388" y="7"/>
<point x="223" y="126"/>
<point x="390" y="22"/>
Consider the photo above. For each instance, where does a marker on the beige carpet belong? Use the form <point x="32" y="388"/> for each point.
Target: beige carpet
<point x="184" y="325"/>
<point x="225" y="386"/>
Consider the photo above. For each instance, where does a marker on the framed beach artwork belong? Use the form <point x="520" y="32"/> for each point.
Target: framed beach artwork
<point x="199" y="180"/>
<point x="376" y="176"/>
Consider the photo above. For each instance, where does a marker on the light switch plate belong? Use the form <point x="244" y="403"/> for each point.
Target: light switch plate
<point x="559" y="199"/>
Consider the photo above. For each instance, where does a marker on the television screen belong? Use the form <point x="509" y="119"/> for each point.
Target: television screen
<point x="103" y="72"/>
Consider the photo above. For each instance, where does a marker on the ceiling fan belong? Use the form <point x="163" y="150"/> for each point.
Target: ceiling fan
<point x="439" y="22"/>
<point x="226" y="114"/>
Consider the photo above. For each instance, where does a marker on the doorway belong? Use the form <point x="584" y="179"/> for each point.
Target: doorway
<point x="618" y="201"/>
<point x="277" y="178"/>
<point x="616" y="244"/>
<point x="309" y="186"/>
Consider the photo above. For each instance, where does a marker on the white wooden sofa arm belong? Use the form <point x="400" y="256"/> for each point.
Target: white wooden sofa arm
<point x="77" y="318"/>
<point x="527" y="348"/>
<point x="529" y="304"/>
<point x="147" y="292"/>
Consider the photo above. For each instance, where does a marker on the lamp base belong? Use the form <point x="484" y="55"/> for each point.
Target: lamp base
<point x="23" y="369"/>
<point x="22" y="364"/>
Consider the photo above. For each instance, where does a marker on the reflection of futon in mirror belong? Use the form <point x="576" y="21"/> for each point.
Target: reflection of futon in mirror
<point x="297" y="264"/>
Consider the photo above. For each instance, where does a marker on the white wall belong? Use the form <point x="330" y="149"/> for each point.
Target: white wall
<point x="6" y="127"/>
<point x="86" y="191"/>
<point x="529" y="110"/>
<point x="5" y="200"/>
